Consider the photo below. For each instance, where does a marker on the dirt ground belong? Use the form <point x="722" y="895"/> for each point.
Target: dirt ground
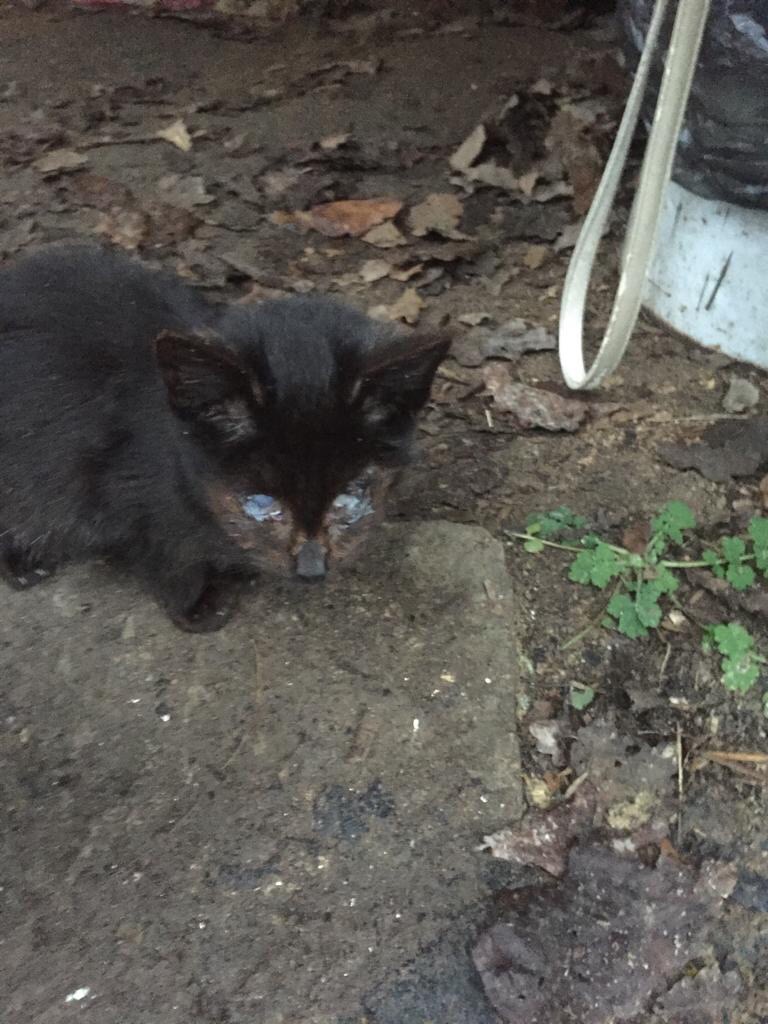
<point x="280" y="823"/>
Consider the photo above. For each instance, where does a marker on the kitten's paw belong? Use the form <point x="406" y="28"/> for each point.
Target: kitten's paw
<point x="213" y="608"/>
<point x="21" y="570"/>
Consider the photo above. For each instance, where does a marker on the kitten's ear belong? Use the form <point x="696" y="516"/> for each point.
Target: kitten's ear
<point x="207" y="387"/>
<point x="398" y="374"/>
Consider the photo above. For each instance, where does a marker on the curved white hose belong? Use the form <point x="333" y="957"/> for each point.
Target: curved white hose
<point x="679" y="70"/>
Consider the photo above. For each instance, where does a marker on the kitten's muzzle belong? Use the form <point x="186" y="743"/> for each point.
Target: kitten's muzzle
<point x="311" y="561"/>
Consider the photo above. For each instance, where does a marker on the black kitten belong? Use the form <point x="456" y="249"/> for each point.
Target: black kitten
<point x="190" y="442"/>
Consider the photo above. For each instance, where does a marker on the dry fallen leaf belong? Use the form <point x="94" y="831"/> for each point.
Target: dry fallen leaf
<point x="346" y="217"/>
<point x="60" y="160"/>
<point x="440" y="212"/>
<point x="536" y="256"/>
<point x="276" y="183"/>
<point x="581" y="158"/>
<point x="385" y="236"/>
<point x="408" y="308"/>
<point x="532" y="407"/>
<point x="126" y="228"/>
<point x="100" y="192"/>
<point x="508" y="341"/>
<point x="568" y="237"/>
<point x="544" y="838"/>
<point x="185" y="192"/>
<point x="494" y="174"/>
<point x="606" y="942"/>
<point x="332" y="142"/>
<point x="474" y="319"/>
<point x="342" y="68"/>
<point x="374" y="270"/>
<point x="177" y="134"/>
<point x="469" y="150"/>
<point x="406" y="273"/>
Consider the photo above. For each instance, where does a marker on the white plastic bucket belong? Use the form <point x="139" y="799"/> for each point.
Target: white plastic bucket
<point x="709" y="277"/>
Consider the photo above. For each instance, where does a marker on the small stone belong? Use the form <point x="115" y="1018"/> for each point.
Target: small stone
<point x="741" y="395"/>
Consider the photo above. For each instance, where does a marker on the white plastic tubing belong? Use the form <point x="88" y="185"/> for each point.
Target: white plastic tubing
<point x="679" y="69"/>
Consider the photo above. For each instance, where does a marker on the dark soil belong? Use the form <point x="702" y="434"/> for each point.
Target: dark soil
<point x="279" y="824"/>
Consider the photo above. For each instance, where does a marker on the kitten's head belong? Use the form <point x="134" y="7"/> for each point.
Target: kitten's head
<point x="306" y="411"/>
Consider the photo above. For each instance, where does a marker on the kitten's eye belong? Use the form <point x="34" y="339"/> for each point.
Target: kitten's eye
<point x="354" y="504"/>
<point x="263" y="508"/>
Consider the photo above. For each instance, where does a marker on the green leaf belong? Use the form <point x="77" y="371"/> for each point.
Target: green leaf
<point x="581" y="697"/>
<point x="673" y="518"/>
<point x="740" y="675"/>
<point x="739" y="663"/>
<point x="597" y="566"/>
<point x="758" y="531"/>
<point x="590" y="540"/>
<point x="559" y="520"/>
<point x="666" y="581"/>
<point x="534" y="545"/>
<point x="713" y="560"/>
<point x="734" y="549"/>
<point x="731" y="639"/>
<point x="647" y="604"/>
<point x="740" y="576"/>
<point x="622" y="608"/>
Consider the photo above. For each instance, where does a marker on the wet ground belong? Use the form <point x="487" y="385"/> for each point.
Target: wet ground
<point x="280" y="823"/>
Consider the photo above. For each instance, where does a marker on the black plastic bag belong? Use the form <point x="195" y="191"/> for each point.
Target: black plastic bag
<point x="723" y="148"/>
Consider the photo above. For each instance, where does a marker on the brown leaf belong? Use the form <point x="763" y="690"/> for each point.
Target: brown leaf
<point x="604" y="944"/>
<point x="346" y="217"/>
<point x="636" y="536"/>
<point x="408" y="308"/>
<point x="59" y="160"/>
<point x="100" y="192"/>
<point x="544" y="838"/>
<point x="728" y="448"/>
<point x="508" y="341"/>
<point x="440" y="213"/>
<point x="126" y="228"/>
<point x="581" y="158"/>
<point x="532" y="407"/>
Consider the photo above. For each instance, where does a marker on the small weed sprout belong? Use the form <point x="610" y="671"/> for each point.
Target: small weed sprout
<point x="642" y="583"/>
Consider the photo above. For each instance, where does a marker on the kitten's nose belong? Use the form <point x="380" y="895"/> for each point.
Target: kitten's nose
<point x="310" y="561"/>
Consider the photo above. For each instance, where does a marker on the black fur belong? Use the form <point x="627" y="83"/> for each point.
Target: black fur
<point x="127" y="400"/>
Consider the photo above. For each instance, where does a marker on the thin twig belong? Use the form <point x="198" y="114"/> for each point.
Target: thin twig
<point x="576" y="784"/>
<point x="680" y="781"/>
<point x="664" y="662"/>
<point x="729" y="756"/>
<point x="593" y="623"/>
